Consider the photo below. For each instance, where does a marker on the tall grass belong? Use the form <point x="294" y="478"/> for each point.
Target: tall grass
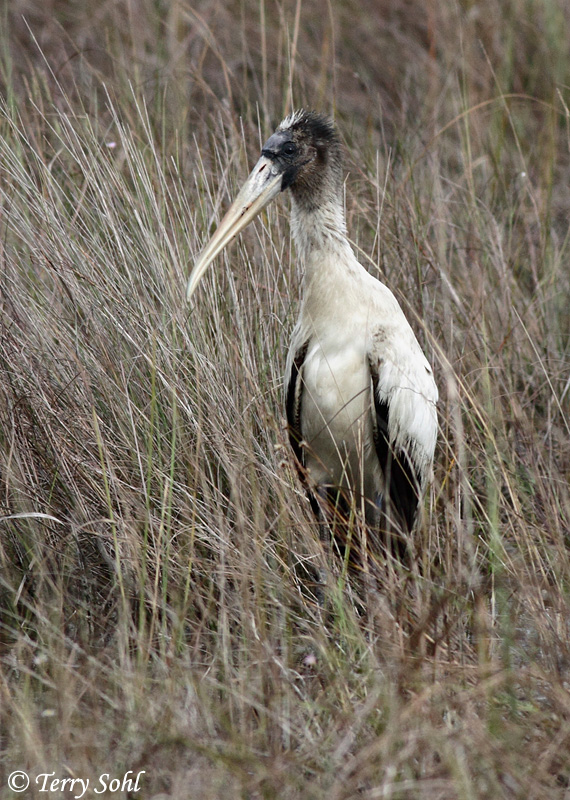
<point x="154" y="611"/>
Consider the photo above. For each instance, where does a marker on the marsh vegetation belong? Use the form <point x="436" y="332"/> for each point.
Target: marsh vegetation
<point x="152" y="525"/>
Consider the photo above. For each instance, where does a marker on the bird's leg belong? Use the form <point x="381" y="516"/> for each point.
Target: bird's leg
<point x="335" y="524"/>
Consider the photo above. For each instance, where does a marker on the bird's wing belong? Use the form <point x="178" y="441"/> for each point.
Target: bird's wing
<point x="293" y="400"/>
<point x="293" y="403"/>
<point x="404" y="424"/>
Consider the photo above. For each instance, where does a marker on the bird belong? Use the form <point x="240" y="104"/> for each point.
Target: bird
<point x="360" y="395"/>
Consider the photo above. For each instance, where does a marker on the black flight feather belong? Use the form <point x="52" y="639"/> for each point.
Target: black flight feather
<point x="400" y="473"/>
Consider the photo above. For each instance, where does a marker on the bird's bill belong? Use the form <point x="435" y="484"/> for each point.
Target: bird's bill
<point x="262" y="185"/>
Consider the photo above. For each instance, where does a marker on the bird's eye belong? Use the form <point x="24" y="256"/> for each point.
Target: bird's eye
<point x="289" y="148"/>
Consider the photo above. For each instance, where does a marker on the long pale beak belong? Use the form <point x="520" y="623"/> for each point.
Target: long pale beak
<point x="262" y="185"/>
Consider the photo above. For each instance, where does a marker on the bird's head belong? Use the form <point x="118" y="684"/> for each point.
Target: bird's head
<point x="303" y="155"/>
<point x="306" y="148"/>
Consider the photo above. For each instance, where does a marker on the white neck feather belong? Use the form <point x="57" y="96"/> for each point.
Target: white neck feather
<point x="320" y="228"/>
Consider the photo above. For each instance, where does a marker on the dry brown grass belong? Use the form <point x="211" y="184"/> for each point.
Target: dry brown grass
<point x="151" y="613"/>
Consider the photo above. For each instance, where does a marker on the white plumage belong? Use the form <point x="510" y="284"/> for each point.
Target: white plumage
<point x="360" y="394"/>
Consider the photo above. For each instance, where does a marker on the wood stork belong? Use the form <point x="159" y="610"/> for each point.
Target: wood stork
<point x="360" y="394"/>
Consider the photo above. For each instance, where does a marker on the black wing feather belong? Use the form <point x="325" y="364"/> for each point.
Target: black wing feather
<point x="399" y="471"/>
<point x="293" y="403"/>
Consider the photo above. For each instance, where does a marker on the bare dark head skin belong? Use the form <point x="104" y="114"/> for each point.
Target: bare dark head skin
<point x="307" y="150"/>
